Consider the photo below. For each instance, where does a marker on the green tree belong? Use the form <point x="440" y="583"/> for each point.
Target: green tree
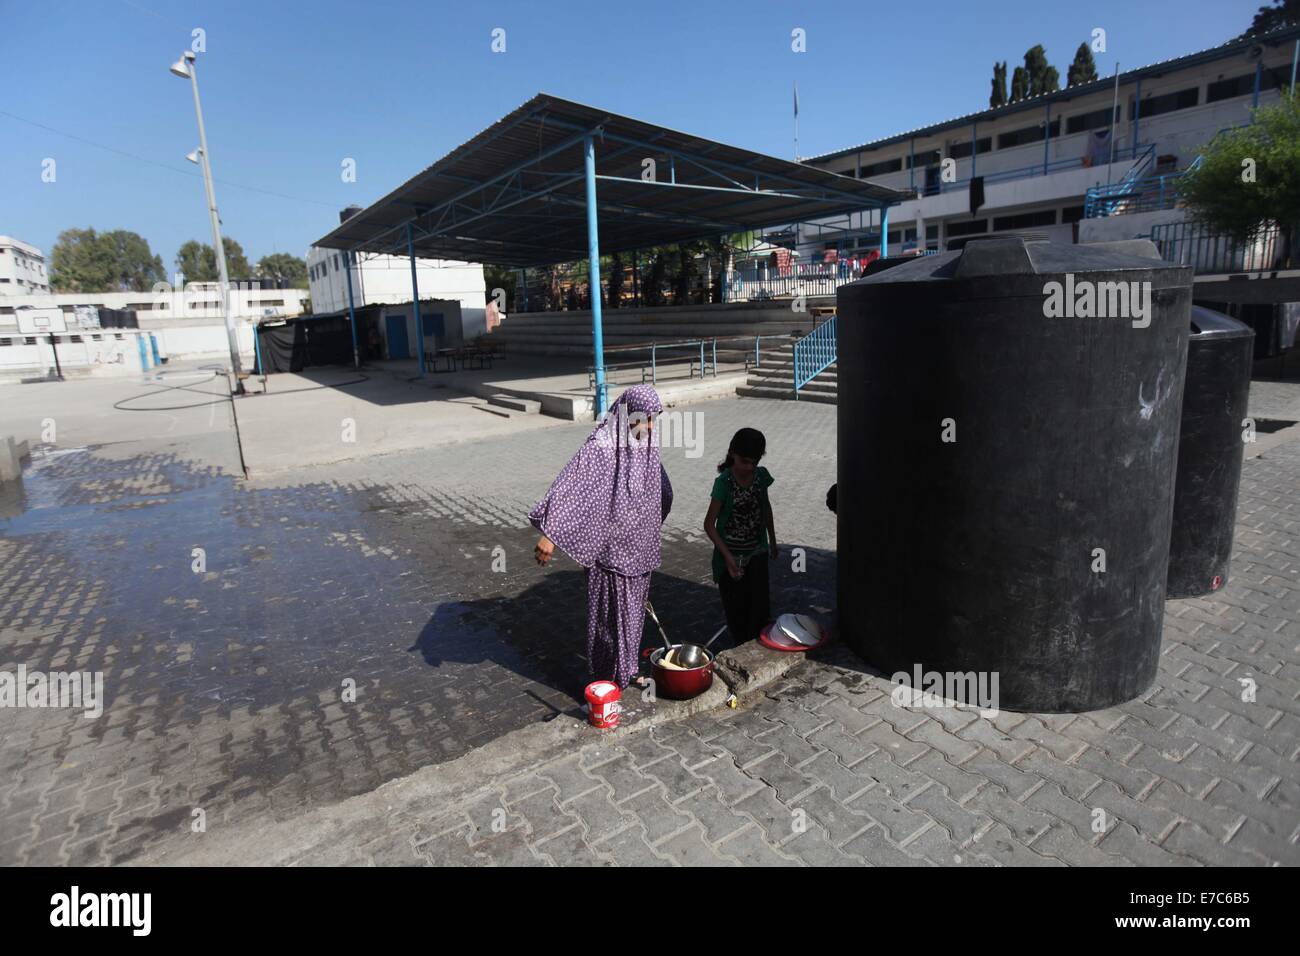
<point x="78" y="262"/>
<point x="1041" y="77"/>
<point x="999" y="95"/>
<point x="117" y="261"/>
<point x="1083" y="69"/>
<point x="198" y="261"/>
<point x="1282" y="13"/>
<point x="1249" y="177"/>
<point x="283" y="265"/>
<point x="1019" y="84"/>
<point x="617" y="275"/>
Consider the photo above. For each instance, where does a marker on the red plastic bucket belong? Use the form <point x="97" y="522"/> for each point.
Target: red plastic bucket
<point x="602" y="704"/>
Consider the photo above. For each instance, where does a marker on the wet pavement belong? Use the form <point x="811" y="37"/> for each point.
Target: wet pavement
<point x="224" y="686"/>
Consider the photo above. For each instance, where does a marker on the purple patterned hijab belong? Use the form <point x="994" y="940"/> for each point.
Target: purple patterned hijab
<point x="606" y="506"/>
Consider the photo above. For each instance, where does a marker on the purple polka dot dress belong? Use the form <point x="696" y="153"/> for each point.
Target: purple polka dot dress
<point x="605" y="510"/>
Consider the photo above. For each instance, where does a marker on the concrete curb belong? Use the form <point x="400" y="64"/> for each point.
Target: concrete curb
<point x="334" y="834"/>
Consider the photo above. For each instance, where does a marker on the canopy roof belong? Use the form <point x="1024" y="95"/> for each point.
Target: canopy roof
<point x="515" y="194"/>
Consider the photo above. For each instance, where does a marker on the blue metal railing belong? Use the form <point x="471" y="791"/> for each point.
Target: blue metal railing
<point x="1134" y="194"/>
<point x="814" y="353"/>
<point x="1192" y="244"/>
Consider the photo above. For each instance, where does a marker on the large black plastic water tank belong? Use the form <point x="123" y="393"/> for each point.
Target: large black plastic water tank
<point x="1219" y="356"/>
<point x="983" y="554"/>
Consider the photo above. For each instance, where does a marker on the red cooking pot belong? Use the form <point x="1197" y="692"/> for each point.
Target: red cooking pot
<point x="680" y="684"/>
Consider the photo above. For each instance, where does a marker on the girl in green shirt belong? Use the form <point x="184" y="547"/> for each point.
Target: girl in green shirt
<point x="740" y="525"/>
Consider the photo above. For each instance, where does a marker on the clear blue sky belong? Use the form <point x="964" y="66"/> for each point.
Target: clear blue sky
<point x="289" y="90"/>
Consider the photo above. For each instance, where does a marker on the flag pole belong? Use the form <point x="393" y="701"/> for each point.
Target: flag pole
<point x="796" y="121"/>
<point x="1113" y="106"/>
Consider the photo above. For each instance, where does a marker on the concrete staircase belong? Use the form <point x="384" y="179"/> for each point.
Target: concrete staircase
<point x="775" y="379"/>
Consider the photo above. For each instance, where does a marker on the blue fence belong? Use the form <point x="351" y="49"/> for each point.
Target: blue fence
<point x="814" y="353"/>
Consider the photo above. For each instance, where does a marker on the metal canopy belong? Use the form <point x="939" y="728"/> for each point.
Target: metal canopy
<point x="516" y="194"/>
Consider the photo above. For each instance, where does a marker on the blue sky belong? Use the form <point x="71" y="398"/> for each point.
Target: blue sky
<point x="289" y="90"/>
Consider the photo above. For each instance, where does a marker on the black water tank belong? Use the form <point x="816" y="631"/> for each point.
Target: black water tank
<point x="1219" y="357"/>
<point x="978" y="554"/>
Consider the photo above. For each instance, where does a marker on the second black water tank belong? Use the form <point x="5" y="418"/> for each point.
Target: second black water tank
<point x="1006" y="467"/>
<point x="1210" y="450"/>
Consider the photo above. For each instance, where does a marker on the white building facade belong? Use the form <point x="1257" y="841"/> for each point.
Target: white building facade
<point x="23" y="270"/>
<point x="386" y="280"/>
<point x="1033" y="161"/>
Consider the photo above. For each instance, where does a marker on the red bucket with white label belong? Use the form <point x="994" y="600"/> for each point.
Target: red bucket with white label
<point x="603" y="705"/>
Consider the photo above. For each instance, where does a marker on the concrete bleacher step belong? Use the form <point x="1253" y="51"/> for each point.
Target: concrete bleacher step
<point x="527" y="406"/>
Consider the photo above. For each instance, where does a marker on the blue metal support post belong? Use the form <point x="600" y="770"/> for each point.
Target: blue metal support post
<point x="415" y="297"/>
<point x="974" y="146"/>
<point x="593" y="243"/>
<point x="1047" y="136"/>
<point x="352" y="311"/>
<point x="1137" y="116"/>
<point x="884" y="232"/>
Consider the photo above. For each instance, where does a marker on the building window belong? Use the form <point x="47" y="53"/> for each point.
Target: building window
<point x="1029" y="134"/>
<point x="1025" y="220"/>
<point x="882" y="167"/>
<point x="1071" y="214"/>
<point x="930" y="158"/>
<point x="968" y="228"/>
<point x="1242" y="86"/>
<point x="1167" y="103"/>
<point x="1094" y="120"/>
<point x="961" y="149"/>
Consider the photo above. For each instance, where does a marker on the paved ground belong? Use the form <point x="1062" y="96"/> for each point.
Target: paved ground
<point x="223" y="687"/>
<point x="380" y="570"/>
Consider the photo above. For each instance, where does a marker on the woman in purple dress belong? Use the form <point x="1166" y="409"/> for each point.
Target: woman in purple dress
<point x="605" y="510"/>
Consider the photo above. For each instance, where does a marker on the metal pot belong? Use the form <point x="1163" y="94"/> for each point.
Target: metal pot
<point x="680" y="684"/>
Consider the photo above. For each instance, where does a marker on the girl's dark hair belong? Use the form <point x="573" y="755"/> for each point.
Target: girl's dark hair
<point x="747" y="443"/>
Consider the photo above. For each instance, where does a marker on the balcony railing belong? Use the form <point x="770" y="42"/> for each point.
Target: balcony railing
<point x="1192" y="244"/>
<point x="757" y="283"/>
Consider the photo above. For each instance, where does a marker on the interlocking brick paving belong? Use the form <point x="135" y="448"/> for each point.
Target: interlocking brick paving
<point x="223" y="688"/>
<point x="824" y="769"/>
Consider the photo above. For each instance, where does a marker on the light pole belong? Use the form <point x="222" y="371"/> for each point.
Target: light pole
<point x="184" y="68"/>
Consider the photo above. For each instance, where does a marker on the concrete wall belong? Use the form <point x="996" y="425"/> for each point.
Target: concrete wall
<point x="1134" y="226"/>
<point x="165" y="307"/>
<point x="453" y="323"/>
<point x="114" y="351"/>
<point x="382" y="280"/>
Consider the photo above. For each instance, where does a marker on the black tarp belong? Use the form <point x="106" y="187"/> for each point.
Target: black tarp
<point x="118" y="319"/>
<point x="297" y="345"/>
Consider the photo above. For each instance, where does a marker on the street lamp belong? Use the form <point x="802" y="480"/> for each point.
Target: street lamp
<point x="184" y="68"/>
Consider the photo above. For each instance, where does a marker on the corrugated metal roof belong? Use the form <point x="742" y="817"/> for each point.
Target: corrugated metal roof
<point x="1234" y="46"/>
<point x="515" y="193"/>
